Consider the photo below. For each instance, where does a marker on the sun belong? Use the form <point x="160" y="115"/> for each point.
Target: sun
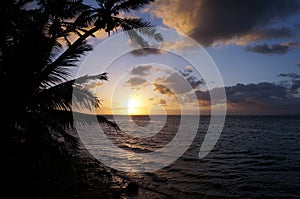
<point x="133" y="106"/>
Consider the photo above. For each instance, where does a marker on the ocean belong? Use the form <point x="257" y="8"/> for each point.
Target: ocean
<point x="255" y="156"/>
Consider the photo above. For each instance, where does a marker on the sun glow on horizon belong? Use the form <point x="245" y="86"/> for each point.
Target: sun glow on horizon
<point x="133" y="106"/>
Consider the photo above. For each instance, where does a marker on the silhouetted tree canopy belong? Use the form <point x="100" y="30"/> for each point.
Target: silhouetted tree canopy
<point x="41" y="43"/>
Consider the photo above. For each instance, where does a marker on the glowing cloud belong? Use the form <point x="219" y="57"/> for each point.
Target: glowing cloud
<point x="213" y="21"/>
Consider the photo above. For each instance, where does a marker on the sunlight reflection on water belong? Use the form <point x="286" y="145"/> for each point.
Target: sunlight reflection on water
<point x="256" y="156"/>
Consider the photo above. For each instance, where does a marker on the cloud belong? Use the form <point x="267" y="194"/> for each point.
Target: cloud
<point x="181" y="82"/>
<point x="295" y="82"/>
<point x="162" y="89"/>
<point x="180" y="44"/>
<point x="273" y="49"/>
<point x="162" y="102"/>
<point x="147" y="51"/>
<point x="192" y="80"/>
<point x="215" y="21"/>
<point x="135" y="82"/>
<point x="92" y="84"/>
<point x="291" y="75"/>
<point x="169" y="83"/>
<point x="265" y="34"/>
<point x="260" y="98"/>
<point x="202" y="95"/>
<point x="295" y="86"/>
<point x="255" y="93"/>
<point x="141" y="70"/>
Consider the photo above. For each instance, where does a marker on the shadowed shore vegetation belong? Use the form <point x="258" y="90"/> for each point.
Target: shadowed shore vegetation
<point x="41" y="44"/>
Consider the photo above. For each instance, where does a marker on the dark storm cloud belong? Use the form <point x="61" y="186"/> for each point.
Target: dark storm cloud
<point x="210" y="21"/>
<point x="295" y="82"/>
<point x="290" y="75"/>
<point x="295" y="86"/>
<point x="260" y="98"/>
<point x="248" y="94"/>
<point x="235" y="18"/>
<point x="272" y="49"/>
<point x="255" y="93"/>
<point x="203" y="95"/>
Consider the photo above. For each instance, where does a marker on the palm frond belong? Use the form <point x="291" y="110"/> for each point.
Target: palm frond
<point x="60" y="97"/>
<point x="37" y="129"/>
<point x="60" y="118"/>
<point x="143" y="27"/>
<point x="84" y="99"/>
<point x="86" y="18"/>
<point x="54" y="98"/>
<point x="37" y="37"/>
<point x="59" y="133"/>
<point x="129" y="5"/>
<point x="137" y="38"/>
<point x="57" y="71"/>
<point x="86" y="78"/>
<point x="101" y="119"/>
<point x="87" y="119"/>
<point x="139" y="31"/>
<point x="72" y="90"/>
<point x="64" y="9"/>
<point x="50" y="135"/>
<point x="22" y="3"/>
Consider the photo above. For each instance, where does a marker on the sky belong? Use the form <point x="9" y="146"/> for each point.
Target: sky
<point x="254" y="45"/>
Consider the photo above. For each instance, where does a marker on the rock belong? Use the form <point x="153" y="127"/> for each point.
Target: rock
<point x="117" y="194"/>
<point x="132" y="188"/>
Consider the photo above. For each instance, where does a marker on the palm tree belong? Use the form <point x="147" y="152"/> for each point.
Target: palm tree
<point x="37" y="57"/>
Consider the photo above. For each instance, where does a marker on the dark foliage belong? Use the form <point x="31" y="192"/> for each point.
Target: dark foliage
<point x="38" y="54"/>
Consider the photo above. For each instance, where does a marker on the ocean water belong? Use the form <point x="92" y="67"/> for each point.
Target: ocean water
<point x="255" y="156"/>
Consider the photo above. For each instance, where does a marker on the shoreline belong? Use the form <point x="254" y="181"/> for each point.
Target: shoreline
<point x="121" y="186"/>
<point x="31" y="173"/>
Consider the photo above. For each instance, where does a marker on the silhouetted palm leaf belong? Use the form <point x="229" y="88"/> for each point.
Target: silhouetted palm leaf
<point x="57" y="71"/>
<point x="84" y="99"/>
<point x="42" y="39"/>
<point x="128" y="5"/>
<point x="137" y="29"/>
